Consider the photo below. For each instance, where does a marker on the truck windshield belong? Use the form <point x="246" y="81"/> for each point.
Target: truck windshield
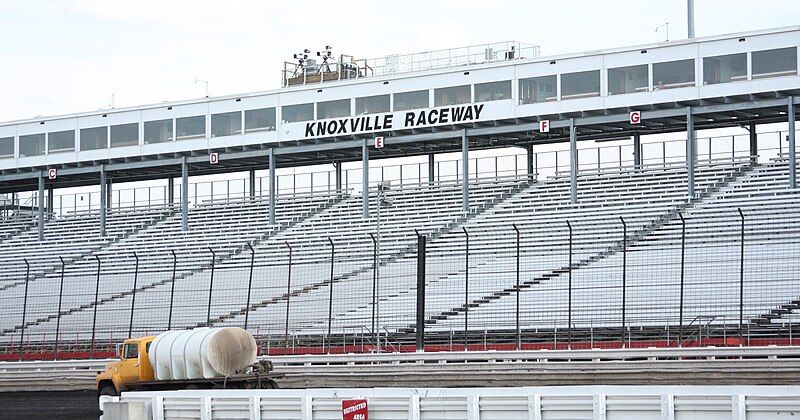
<point x="131" y="351"/>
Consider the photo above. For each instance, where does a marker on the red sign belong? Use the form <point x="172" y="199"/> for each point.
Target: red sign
<point x="355" y="410"/>
<point x="52" y="173"/>
<point x="544" y="126"/>
<point x="636" y="117"/>
<point x="379" y="142"/>
<point x="213" y="158"/>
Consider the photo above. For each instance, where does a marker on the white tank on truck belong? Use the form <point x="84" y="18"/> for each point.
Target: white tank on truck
<point x="202" y="353"/>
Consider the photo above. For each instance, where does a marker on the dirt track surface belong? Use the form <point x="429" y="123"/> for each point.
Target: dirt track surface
<point x="77" y="405"/>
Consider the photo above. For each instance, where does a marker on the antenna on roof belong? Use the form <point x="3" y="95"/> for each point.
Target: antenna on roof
<point x="690" y="17"/>
<point x="202" y="81"/>
<point x="665" y="25"/>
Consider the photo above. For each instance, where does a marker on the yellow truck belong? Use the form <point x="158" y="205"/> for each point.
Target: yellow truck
<point x="202" y="358"/>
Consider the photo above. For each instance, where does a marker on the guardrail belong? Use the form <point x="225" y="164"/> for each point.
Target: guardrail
<point x="764" y="364"/>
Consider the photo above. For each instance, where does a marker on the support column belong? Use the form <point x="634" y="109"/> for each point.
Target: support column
<point x="103" y="199"/>
<point x="753" y="143"/>
<point x="464" y="171"/>
<point x="252" y="183"/>
<point x="337" y="166"/>
<point x="690" y="151"/>
<point x="40" y="210"/>
<point x="637" y="151"/>
<point x="50" y="201"/>
<point x="185" y="194"/>
<point x="171" y="190"/>
<point x="573" y="162"/>
<point x="365" y="179"/>
<point x="792" y="150"/>
<point x="431" y="168"/>
<point x="529" y="161"/>
<point x="109" y="195"/>
<point x="272" y="187"/>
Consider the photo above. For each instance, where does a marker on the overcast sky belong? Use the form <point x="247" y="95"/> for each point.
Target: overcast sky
<point x="68" y="56"/>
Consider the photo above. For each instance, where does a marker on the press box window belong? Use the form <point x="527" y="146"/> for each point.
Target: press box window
<point x="297" y="113"/>
<point x="333" y="109"/>
<point x="493" y="91"/>
<point x="157" y="131"/>
<point x="411" y="100"/>
<point x="31" y="145"/>
<point x="673" y="74"/>
<point x="537" y="89"/>
<point x="627" y="80"/>
<point x="7" y="147"/>
<point x="725" y="68"/>
<point x="452" y="95"/>
<point x="226" y="124"/>
<point x="190" y="127"/>
<point x="580" y="85"/>
<point x="775" y="63"/>
<point x="259" y="120"/>
<point x="125" y="135"/>
<point x="94" y="138"/>
<point x="61" y="141"/>
<point x="372" y="104"/>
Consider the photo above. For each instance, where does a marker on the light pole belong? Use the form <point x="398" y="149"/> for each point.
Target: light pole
<point x="382" y="200"/>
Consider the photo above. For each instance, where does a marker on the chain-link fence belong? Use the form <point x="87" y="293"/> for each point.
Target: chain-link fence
<point x="701" y="276"/>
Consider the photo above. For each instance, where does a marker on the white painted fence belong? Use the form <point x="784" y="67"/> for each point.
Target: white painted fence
<point x="528" y="403"/>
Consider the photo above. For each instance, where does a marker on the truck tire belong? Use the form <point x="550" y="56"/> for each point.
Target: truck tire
<point x="108" y="390"/>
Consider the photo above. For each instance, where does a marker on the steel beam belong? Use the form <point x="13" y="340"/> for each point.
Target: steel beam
<point x="690" y="151"/>
<point x="431" y="168"/>
<point x="252" y="183"/>
<point x="637" y="151"/>
<point x="103" y="200"/>
<point x="573" y="162"/>
<point x="792" y="149"/>
<point x="40" y="210"/>
<point x="337" y="166"/>
<point x="50" y="201"/>
<point x="753" y="142"/>
<point x="464" y="171"/>
<point x="272" y="187"/>
<point x="529" y="161"/>
<point x="185" y="194"/>
<point x="365" y="178"/>
<point x="171" y="190"/>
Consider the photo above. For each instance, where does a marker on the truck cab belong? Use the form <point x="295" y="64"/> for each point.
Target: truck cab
<point x="133" y="367"/>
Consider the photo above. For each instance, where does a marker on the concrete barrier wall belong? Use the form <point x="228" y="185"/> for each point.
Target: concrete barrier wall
<point x="524" y="403"/>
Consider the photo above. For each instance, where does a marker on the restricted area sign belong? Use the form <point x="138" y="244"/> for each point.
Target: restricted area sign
<point x="636" y="117"/>
<point x="52" y="173"/>
<point x="544" y="126"/>
<point x="379" y="142"/>
<point x="213" y="158"/>
<point x="355" y="410"/>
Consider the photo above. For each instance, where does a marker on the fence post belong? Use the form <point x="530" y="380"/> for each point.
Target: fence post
<point x="288" y="296"/>
<point x="741" y="276"/>
<point x="172" y="291"/>
<point x="683" y="270"/>
<point x="96" y="303"/>
<point x="60" y="300"/>
<point x="374" y="285"/>
<point x="569" y="289"/>
<point x="624" y="273"/>
<point x="330" y="296"/>
<point x="466" y="288"/>
<point x="133" y="297"/>
<point x="421" y="265"/>
<point x="249" y="286"/>
<point x="25" y="306"/>
<point x="518" y="331"/>
<point x="211" y="285"/>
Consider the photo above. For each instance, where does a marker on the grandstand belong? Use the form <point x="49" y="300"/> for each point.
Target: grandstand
<point x="643" y="249"/>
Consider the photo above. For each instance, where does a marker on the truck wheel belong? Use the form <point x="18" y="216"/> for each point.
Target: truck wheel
<point x="108" y="390"/>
